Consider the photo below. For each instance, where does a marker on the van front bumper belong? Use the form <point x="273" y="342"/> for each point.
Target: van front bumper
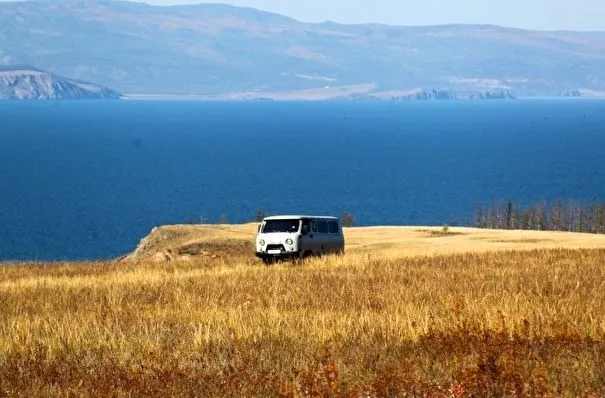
<point x="277" y="256"/>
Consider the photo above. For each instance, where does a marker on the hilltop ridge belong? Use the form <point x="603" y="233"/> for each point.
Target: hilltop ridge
<point x="187" y="242"/>
<point x="28" y="82"/>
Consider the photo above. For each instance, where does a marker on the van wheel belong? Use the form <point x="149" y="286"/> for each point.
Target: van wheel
<point x="307" y="254"/>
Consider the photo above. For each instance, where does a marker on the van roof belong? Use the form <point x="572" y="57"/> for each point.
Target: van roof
<point x="299" y="217"/>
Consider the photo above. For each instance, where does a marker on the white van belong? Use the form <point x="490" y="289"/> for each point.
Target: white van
<point x="298" y="237"/>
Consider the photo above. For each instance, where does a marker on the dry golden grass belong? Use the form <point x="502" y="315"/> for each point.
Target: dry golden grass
<point x="378" y="323"/>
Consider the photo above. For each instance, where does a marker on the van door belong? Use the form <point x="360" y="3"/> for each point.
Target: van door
<point x="307" y="237"/>
<point x="339" y="238"/>
<point x="323" y="232"/>
<point x="334" y="236"/>
<point x="317" y="239"/>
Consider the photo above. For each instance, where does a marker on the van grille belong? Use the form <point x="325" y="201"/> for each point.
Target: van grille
<point x="276" y="247"/>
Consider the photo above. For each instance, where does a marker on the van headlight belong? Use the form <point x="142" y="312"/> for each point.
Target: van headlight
<point x="289" y="241"/>
<point x="261" y="242"/>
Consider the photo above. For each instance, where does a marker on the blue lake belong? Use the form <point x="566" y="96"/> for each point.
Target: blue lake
<point x="87" y="179"/>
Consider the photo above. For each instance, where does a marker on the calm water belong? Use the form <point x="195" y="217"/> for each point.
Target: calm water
<point x="87" y="180"/>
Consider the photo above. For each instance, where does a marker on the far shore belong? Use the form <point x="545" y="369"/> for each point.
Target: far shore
<point x="316" y="98"/>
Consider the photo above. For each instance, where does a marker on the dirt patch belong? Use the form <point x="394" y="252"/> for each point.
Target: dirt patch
<point x="219" y="248"/>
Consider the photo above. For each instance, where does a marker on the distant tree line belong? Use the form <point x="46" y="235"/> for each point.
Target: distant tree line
<point x="347" y="219"/>
<point x="558" y="216"/>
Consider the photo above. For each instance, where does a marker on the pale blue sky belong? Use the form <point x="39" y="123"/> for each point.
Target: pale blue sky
<point x="531" y="14"/>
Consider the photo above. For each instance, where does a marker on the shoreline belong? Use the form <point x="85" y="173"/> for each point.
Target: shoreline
<point x="227" y="98"/>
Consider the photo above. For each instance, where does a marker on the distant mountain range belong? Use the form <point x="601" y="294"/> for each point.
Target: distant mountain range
<point x="26" y="82"/>
<point x="219" y="51"/>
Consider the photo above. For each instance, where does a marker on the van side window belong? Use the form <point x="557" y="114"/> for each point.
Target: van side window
<point x="334" y="227"/>
<point x="314" y="226"/>
<point x="323" y="227"/>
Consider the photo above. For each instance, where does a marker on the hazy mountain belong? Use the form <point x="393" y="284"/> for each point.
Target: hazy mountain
<point x="217" y="49"/>
<point x="26" y="82"/>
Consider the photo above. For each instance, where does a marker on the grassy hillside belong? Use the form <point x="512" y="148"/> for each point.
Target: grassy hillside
<point x="381" y="323"/>
<point x="186" y="242"/>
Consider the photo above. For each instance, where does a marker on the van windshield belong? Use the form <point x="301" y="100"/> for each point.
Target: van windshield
<point x="274" y="226"/>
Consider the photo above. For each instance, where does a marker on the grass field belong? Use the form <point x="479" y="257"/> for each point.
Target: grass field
<point x="406" y="311"/>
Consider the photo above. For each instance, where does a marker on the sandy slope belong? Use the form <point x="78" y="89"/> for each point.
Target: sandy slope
<point x="186" y="241"/>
